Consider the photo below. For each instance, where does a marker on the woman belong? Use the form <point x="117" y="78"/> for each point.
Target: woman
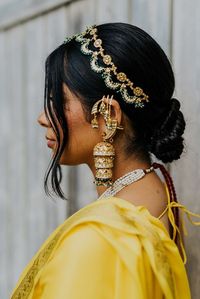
<point x="108" y="103"/>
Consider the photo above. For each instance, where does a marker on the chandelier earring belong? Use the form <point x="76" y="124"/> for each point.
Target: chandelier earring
<point x="104" y="151"/>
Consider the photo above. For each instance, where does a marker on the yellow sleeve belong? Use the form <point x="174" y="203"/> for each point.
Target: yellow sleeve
<point x="82" y="268"/>
<point x="87" y="266"/>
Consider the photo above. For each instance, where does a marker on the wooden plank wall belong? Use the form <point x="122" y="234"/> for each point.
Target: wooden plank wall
<point x="29" y="30"/>
<point x="185" y="57"/>
<point x="28" y="217"/>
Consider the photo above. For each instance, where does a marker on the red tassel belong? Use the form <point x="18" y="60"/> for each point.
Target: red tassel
<point x="171" y="189"/>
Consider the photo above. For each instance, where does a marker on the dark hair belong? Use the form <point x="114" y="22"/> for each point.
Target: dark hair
<point x="157" y="128"/>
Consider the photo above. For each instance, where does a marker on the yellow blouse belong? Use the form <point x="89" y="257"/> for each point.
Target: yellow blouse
<point x="108" y="249"/>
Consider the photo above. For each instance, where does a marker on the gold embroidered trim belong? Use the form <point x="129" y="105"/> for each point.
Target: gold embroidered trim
<point x="25" y="287"/>
<point x="161" y="262"/>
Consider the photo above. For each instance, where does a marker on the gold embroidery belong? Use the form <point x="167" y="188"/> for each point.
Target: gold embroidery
<point x="163" y="265"/>
<point x="26" y="284"/>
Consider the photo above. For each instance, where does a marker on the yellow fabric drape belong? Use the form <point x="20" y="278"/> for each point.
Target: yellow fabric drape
<point x="108" y="249"/>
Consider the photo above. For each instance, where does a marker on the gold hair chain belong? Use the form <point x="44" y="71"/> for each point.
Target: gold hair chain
<point x="113" y="79"/>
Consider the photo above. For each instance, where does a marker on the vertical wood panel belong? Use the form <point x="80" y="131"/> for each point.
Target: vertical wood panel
<point x="112" y="11"/>
<point x="29" y="216"/>
<point x="17" y="183"/>
<point x="4" y="204"/>
<point x="186" y="49"/>
<point x="155" y="18"/>
<point x="81" y="14"/>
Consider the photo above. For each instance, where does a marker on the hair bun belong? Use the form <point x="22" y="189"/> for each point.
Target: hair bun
<point x="167" y="141"/>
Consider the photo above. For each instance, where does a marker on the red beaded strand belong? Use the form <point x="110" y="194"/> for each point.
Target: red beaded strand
<point x="172" y="191"/>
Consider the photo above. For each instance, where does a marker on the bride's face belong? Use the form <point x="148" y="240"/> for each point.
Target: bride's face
<point x="81" y="136"/>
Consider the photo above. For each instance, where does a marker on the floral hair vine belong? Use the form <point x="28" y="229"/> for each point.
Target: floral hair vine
<point x="130" y="93"/>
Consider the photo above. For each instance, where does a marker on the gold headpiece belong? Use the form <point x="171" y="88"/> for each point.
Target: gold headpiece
<point x="109" y="72"/>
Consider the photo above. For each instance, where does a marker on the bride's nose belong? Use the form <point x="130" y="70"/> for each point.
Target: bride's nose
<point x="42" y="120"/>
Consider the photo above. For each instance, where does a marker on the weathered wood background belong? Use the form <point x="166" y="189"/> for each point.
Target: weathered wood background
<point x="29" y="30"/>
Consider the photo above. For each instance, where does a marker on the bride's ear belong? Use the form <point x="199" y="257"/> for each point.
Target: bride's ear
<point x="116" y="112"/>
<point x="106" y="108"/>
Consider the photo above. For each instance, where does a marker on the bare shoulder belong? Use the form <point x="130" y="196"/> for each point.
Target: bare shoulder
<point x="149" y="192"/>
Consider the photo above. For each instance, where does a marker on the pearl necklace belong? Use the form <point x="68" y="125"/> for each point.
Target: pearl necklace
<point x="125" y="180"/>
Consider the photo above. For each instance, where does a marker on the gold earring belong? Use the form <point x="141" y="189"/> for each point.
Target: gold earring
<point x="104" y="151"/>
<point x="94" y="112"/>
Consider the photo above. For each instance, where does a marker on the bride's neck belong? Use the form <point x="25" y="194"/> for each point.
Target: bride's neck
<point x="122" y="166"/>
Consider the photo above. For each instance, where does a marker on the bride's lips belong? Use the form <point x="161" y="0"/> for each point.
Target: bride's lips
<point x="50" y="142"/>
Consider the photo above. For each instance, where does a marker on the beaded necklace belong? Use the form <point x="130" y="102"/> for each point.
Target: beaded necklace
<point x="125" y="180"/>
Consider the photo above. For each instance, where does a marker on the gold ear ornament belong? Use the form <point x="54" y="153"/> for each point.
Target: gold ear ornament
<point x="104" y="151"/>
